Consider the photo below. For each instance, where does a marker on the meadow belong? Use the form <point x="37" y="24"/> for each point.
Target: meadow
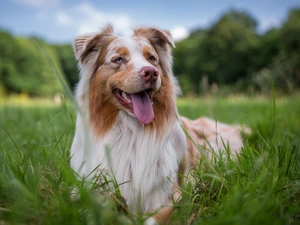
<point x="260" y="186"/>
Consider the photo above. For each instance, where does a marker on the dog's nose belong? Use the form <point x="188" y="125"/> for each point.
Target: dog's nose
<point x="149" y="73"/>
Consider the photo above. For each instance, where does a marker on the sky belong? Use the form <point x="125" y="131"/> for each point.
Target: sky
<point x="61" y="21"/>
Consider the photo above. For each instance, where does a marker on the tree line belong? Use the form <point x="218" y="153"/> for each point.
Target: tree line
<point x="231" y="53"/>
<point x="25" y="69"/>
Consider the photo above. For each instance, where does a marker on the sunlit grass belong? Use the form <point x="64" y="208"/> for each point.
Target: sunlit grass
<point x="25" y="100"/>
<point x="262" y="186"/>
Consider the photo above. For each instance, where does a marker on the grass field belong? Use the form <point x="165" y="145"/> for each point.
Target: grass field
<point x="262" y="186"/>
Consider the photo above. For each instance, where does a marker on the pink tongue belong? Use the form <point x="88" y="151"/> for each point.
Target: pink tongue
<point x="142" y="107"/>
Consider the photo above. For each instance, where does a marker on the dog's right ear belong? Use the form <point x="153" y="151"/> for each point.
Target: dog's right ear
<point x="80" y="44"/>
<point x="86" y="44"/>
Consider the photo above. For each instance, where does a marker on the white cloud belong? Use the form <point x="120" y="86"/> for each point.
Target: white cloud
<point x="84" y="18"/>
<point x="38" y="3"/>
<point x="63" y="19"/>
<point x="87" y="19"/>
<point x="179" y="33"/>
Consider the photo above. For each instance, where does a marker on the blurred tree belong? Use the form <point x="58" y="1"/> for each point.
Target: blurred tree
<point x="8" y="56"/>
<point x="222" y="53"/>
<point x="24" y="69"/>
<point x="68" y="63"/>
<point x="229" y="52"/>
<point x="227" y="47"/>
<point x="188" y="61"/>
<point x="260" y="77"/>
<point x="36" y="74"/>
<point x="290" y="43"/>
<point x="266" y="51"/>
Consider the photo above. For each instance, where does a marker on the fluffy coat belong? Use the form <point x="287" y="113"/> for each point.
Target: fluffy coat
<point x="127" y="124"/>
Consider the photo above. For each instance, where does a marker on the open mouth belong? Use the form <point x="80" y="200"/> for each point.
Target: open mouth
<point x="139" y="103"/>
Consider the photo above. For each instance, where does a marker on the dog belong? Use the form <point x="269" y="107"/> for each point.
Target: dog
<point x="128" y="125"/>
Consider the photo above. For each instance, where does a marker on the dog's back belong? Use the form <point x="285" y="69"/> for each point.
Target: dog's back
<point x="127" y="125"/>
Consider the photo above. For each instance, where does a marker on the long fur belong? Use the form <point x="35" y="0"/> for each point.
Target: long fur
<point x="144" y="157"/>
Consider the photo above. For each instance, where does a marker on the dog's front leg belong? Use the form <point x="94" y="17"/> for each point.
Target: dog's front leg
<point x="163" y="214"/>
<point x="161" y="217"/>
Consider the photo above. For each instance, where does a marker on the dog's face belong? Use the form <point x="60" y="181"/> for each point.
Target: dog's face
<point x="126" y="73"/>
<point x="133" y="75"/>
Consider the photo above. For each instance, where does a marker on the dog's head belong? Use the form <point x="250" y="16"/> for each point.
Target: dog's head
<point x="132" y="74"/>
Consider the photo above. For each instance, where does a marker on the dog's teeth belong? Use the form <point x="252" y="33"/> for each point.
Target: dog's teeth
<point x="124" y="95"/>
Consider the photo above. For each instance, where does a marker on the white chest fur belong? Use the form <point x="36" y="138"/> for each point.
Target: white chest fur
<point x="143" y="165"/>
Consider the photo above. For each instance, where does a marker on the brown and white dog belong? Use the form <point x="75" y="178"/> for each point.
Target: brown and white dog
<point x="128" y="125"/>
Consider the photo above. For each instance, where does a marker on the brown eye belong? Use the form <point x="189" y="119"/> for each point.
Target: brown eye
<point x="152" y="58"/>
<point x="118" y="60"/>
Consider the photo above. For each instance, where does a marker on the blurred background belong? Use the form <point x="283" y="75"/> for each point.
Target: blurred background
<point x="222" y="47"/>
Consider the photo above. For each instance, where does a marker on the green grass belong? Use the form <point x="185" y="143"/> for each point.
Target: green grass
<point x="262" y="186"/>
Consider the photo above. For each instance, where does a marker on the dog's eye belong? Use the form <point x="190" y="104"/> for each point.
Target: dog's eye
<point x="119" y="60"/>
<point x="152" y="58"/>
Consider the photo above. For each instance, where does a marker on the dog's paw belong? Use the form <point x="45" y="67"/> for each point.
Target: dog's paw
<point x="150" y="221"/>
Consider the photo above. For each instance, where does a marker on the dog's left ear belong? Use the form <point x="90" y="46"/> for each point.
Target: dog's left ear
<point x="156" y="36"/>
<point x="161" y="41"/>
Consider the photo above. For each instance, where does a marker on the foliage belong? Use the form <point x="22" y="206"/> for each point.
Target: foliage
<point x="227" y="46"/>
<point x="229" y="53"/>
<point x="291" y="47"/>
<point x="24" y="69"/>
<point x="67" y="61"/>
<point x="8" y="59"/>
<point x="232" y="52"/>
